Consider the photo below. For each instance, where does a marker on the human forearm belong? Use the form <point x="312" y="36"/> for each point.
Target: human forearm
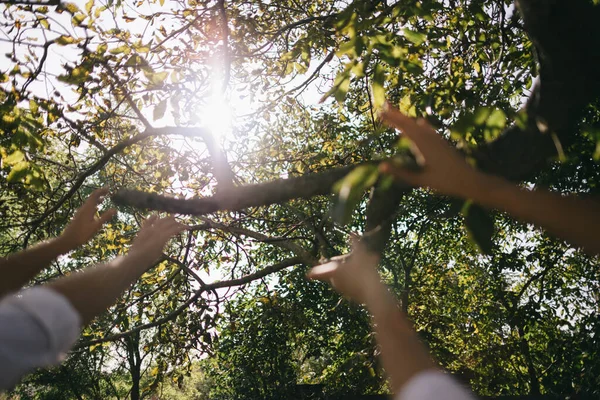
<point x="94" y="290"/>
<point x="355" y="275"/>
<point x="402" y="353"/>
<point x="19" y="268"/>
<point x="567" y="217"/>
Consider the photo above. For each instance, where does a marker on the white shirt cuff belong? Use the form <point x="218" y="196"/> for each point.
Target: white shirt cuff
<point x="56" y="316"/>
<point x="434" y="385"/>
<point x="37" y="328"/>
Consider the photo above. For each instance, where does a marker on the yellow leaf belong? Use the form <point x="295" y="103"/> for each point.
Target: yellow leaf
<point x="64" y="40"/>
<point x="71" y="7"/>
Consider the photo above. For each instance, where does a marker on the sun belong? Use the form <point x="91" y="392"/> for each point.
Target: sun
<point x="218" y="114"/>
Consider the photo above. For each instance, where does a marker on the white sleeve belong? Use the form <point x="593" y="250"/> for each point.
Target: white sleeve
<point x="37" y="328"/>
<point x="434" y="385"/>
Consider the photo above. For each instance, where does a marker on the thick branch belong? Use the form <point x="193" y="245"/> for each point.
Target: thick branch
<point x="238" y="198"/>
<point x="221" y="168"/>
<point x="380" y="212"/>
<point x="568" y="59"/>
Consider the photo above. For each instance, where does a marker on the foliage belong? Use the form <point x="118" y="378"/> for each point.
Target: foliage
<point x="297" y="334"/>
<point x="86" y="85"/>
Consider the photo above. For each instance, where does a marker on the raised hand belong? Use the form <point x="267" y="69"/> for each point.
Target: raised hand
<point x="443" y="168"/>
<point x="153" y="236"/>
<point x="85" y="224"/>
<point x="353" y="275"/>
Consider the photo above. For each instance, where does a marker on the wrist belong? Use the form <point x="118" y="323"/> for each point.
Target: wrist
<point x="476" y="186"/>
<point x="63" y="244"/>
<point x="373" y="292"/>
<point x="143" y="260"/>
<point x="486" y="189"/>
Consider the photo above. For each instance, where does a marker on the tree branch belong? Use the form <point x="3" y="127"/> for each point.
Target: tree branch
<point x="568" y="81"/>
<point x="100" y="163"/>
<point x="239" y="198"/>
<point x="305" y="256"/>
<point x="206" y="288"/>
<point x="127" y="96"/>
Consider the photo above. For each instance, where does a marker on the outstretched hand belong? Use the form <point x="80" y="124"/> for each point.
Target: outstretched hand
<point x="353" y="275"/>
<point x="153" y="236"/>
<point x="85" y="225"/>
<point x="444" y="169"/>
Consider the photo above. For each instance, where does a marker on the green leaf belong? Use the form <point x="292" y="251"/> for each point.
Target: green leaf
<point x="159" y="110"/>
<point x="102" y="48"/>
<point x="350" y="191"/>
<point x="76" y="77"/>
<point x="18" y="171"/>
<point x="347" y="48"/>
<point x="33" y="106"/>
<point x="156" y="78"/>
<point x="121" y="49"/>
<point x="340" y="87"/>
<point x="137" y="61"/>
<point x="497" y="119"/>
<point x="416" y="37"/>
<point x="78" y="19"/>
<point x="14" y="158"/>
<point x="70" y="7"/>
<point x="480" y="226"/>
<point x="342" y="91"/>
<point x="377" y="87"/>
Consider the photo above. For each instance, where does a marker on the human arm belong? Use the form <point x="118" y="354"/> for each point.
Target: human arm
<point x="38" y="326"/>
<point x="93" y="290"/>
<point x="19" y="268"/>
<point x="447" y="172"/>
<point x="402" y="354"/>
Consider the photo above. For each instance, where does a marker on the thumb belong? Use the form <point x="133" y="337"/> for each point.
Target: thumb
<point x="323" y="272"/>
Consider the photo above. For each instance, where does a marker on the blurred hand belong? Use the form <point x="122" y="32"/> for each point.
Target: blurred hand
<point x="444" y="169"/>
<point x="353" y="275"/>
<point x="152" y="238"/>
<point x="85" y="225"/>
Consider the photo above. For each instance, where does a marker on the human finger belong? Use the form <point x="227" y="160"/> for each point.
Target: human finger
<point x="174" y="229"/>
<point x="323" y="272"/>
<point x="98" y="195"/>
<point x="90" y="204"/>
<point x="394" y="118"/>
<point x="165" y="223"/>
<point x="106" y="216"/>
<point x="417" y="130"/>
<point x="150" y="220"/>
<point x="354" y="239"/>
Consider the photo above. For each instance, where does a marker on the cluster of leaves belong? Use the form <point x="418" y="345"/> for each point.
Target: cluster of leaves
<point x="296" y="334"/>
